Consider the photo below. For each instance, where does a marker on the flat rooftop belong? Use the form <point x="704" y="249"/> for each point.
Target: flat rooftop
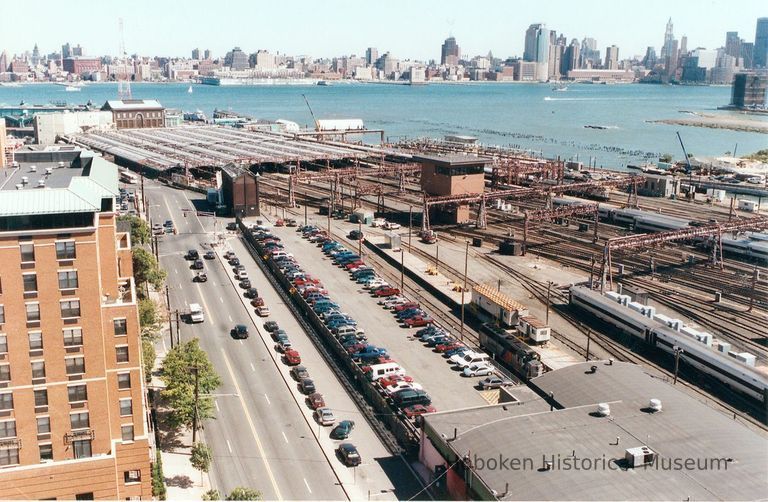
<point x="208" y="145"/>
<point x="454" y="159"/>
<point x="702" y="453"/>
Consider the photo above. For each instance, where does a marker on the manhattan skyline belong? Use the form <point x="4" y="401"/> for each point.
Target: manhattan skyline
<point x="341" y="27"/>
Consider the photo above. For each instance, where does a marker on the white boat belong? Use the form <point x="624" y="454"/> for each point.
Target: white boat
<point x="72" y="88"/>
<point x="189" y="90"/>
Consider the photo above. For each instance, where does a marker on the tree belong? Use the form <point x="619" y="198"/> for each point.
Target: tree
<point x="244" y="493"/>
<point x="201" y="458"/>
<point x="180" y="383"/>
<point x="146" y="268"/>
<point x="760" y="155"/>
<point x="667" y="157"/>
<point x="147" y="357"/>
<point x="212" y="494"/>
<point x="140" y="232"/>
<point x="147" y="313"/>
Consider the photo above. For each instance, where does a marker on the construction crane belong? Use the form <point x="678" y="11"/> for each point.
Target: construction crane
<point x="317" y="124"/>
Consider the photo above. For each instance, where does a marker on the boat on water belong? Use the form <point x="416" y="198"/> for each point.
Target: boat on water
<point x="323" y="83"/>
<point x="560" y="88"/>
<point x="189" y="90"/>
<point x="196" y="116"/>
<point x="72" y="88"/>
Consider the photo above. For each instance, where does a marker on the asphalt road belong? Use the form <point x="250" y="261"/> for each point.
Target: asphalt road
<point x="264" y="435"/>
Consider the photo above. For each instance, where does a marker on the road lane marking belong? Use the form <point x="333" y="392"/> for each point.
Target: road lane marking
<point x="252" y="426"/>
<point x="229" y="446"/>
<point x="241" y="342"/>
<point x="252" y="367"/>
<point x="221" y="299"/>
<point x="284" y="436"/>
<point x="175" y="270"/>
<point x="230" y="318"/>
<point x="307" y="485"/>
<point x="217" y="405"/>
<point x="268" y="401"/>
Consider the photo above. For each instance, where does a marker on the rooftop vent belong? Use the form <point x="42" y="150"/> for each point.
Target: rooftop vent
<point x="603" y="409"/>
<point x="654" y="405"/>
<point x="19" y="186"/>
<point x="593" y="369"/>
<point x="61" y="164"/>
<point x="40" y="183"/>
<point x="24" y="180"/>
<point x="48" y="170"/>
<point x="33" y="169"/>
<point x="640" y="456"/>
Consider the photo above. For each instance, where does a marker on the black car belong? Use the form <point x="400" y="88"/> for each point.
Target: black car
<point x="240" y="331"/>
<point x="234" y="262"/>
<point x="245" y="284"/>
<point x="198" y="265"/>
<point x="355" y="235"/>
<point x="192" y="254"/>
<point x="201" y="277"/>
<point x="307" y="386"/>
<point x="271" y="326"/>
<point x="348" y="454"/>
<point x="299" y="372"/>
<point x="251" y="292"/>
<point x="232" y="226"/>
<point x="209" y="255"/>
<point x="343" y="429"/>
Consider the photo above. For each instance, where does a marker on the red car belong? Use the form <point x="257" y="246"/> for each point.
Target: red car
<point x="292" y="357"/>
<point x="392" y="379"/>
<point x="316" y="401"/>
<point x="386" y="291"/>
<point x="355" y="348"/>
<point x="280" y="223"/>
<point x="445" y="347"/>
<point x="418" y="410"/>
<point x="354" y="264"/>
<point x="258" y="302"/>
<point x="306" y="280"/>
<point x="406" y="306"/>
<point x="418" y="321"/>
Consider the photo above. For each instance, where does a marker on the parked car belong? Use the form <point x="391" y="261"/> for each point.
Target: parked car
<point x="209" y="255"/>
<point x="325" y="416"/>
<point x="343" y="429"/>
<point x="280" y="223"/>
<point x="355" y="235"/>
<point x="494" y="382"/>
<point x="480" y="369"/>
<point x="316" y="400"/>
<point x="192" y="254"/>
<point x="198" y="265"/>
<point x="349" y="454"/>
<point x="391" y="225"/>
<point x="231" y="225"/>
<point x="251" y="293"/>
<point x="245" y="283"/>
<point x="292" y="357"/>
<point x="200" y="277"/>
<point x="241" y="274"/>
<point x="386" y="291"/>
<point x="307" y="386"/>
<point x="299" y="372"/>
<point x="271" y="326"/>
<point x="418" y="410"/>
<point x="262" y="311"/>
<point x="445" y="347"/>
<point x="234" y="261"/>
<point x="240" y="331"/>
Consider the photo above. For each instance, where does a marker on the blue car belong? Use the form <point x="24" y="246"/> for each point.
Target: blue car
<point x="439" y="340"/>
<point x="404" y="314"/>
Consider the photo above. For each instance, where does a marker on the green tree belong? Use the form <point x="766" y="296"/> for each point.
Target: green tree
<point x="140" y="232"/>
<point x="146" y="268"/>
<point x="244" y="493"/>
<point x="760" y="155"/>
<point x="147" y="313"/>
<point x="179" y="379"/>
<point x="147" y="357"/>
<point x="667" y="157"/>
<point x="212" y="494"/>
<point x="201" y="458"/>
<point x="158" y="480"/>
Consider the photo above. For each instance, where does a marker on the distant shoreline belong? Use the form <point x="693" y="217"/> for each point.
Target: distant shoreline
<point x="719" y="122"/>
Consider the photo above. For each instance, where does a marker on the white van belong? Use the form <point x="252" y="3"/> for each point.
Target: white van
<point x="378" y="371"/>
<point x="196" y="313"/>
<point x="471" y="359"/>
<point x="346" y="330"/>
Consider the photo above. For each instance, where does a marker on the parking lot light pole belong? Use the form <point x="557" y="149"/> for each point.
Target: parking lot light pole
<point x="402" y="268"/>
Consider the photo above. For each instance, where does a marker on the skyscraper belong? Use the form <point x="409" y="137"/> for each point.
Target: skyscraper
<point x="570" y="59"/>
<point x="649" y="61"/>
<point x="666" y="47"/>
<point x="612" y="58"/>
<point x="537" y="40"/>
<point x="236" y="59"/>
<point x="195" y="53"/>
<point x="35" y="56"/>
<point x="747" y="54"/>
<point x="66" y="51"/>
<point x="371" y="55"/>
<point x="760" y="52"/>
<point x="590" y="56"/>
<point x="733" y="44"/>
<point x="449" y="53"/>
<point x="3" y="67"/>
<point x="207" y="54"/>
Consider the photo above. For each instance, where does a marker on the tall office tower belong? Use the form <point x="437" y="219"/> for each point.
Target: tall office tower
<point x="195" y="53"/>
<point x="570" y="59"/>
<point x="747" y="54"/>
<point x="371" y="55"/>
<point x="207" y="54"/>
<point x="537" y="49"/>
<point x="3" y="61"/>
<point x="733" y="44"/>
<point x="666" y="47"/>
<point x="73" y="419"/>
<point x="612" y="58"/>
<point x="590" y="56"/>
<point x="35" y="59"/>
<point x="649" y="61"/>
<point x="236" y="59"/>
<point x="760" y="51"/>
<point x="449" y="52"/>
<point x="66" y="51"/>
<point x="683" y="46"/>
<point x="3" y="162"/>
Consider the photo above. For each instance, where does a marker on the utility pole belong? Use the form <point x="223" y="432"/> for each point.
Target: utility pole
<point x="402" y="268"/>
<point x="305" y="213"/>
<point x="360" y="240"/>
<point x="678" y="351"/>
<point x="437" y="256"/>
<point x="463" y="289"/>
<point x="329" y="217"/>
<point x="168" y="308"/>
<point x="589" y="339"/>
<point x="410" y="227"/>
<point x="549" y="287"/>
<point x="178" y="329"/>
<point x="197" y="396"/>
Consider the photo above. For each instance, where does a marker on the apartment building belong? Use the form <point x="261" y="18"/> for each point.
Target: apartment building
<point x="73" y="417"/>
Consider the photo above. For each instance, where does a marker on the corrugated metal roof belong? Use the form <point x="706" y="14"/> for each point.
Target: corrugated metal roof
<point x="43" y="201"/>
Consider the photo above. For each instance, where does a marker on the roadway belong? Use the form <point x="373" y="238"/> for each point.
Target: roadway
<point x="264" y="435"/>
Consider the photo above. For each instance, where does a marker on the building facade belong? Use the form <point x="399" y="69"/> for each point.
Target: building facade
<point x="73" y="418"/>
<point x="240" y="191"/>
<point x="136" y="113"/>
<point x="760" y="51"/>
<point x="452" y="175"/>
<point x="449" y="52"/>
<point x="749" y="90"/>
<point x="77" y="65"/>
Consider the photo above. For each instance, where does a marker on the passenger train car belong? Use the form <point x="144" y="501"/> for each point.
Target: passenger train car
<point x="726" y="369"/>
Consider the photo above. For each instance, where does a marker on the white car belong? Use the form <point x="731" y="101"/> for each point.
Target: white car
<point x="375" y="283"/>
<point x="401" y="385"/>
<point x="242" y="274"/>
<point x="480" y="369"/>
<point x="458" y="358"/>
<point x="325" y="416"/>
<point x="470" y="359"/>
<point x="392" y="301"/>
<point x="378" y="222"/>
<point x="391" y="226"/>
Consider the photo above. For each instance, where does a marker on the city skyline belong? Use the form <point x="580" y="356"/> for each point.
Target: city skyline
<point x="406" y="31"/>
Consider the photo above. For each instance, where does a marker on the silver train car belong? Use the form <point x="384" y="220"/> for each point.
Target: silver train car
<point x="727" y="370"/>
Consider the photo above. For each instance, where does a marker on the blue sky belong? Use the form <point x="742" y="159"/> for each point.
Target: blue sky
<point x="409" y="29"/>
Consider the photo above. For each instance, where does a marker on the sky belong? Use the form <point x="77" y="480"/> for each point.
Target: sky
<point x="409" y="29"/>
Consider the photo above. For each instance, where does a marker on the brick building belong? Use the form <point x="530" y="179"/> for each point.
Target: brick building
<point x="73" y="417"/>
<point x="451" y="175"/>
<point x="77" y="65"/>
<point x="136" y="113"/>
<point x="240" y="191"/>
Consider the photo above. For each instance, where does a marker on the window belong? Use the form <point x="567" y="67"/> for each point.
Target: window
<point x="123" y="381"/>
<point x="33" y="312"/>
<point x="65" y="250"/>
<point x="2" y="314"/>
<point x="127" y="432"/>
<point x="43" y="425"/>
<point x="30" y="283"/>
<point x="122" y="353"/>
<point x="6" y="401"/>
<point x="79" y="420"/>
<point x="8" y="429"/>
<point x="35" y="340"/>
<point x="68" y="279"/>
<point x="75" y="365"/>
<point x="126" y="407"/>
<point x="38" y="369"/>
<point x="77" y="393"/>
<point x="73" y="337"/>
<point x="3" y="344"/>
<point x="41" y="397"/>
<point x="46" y="452"/>
<point x="84" y="496"/>
<point x="132" y="476"/>
<point x="121" y="327"/>
<point x="70" y="308"/>
<point x="5" y="373"/>
<point x="27" y="252"/>
<point x="82" y="449"/>
<point x="9" y="456"/>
